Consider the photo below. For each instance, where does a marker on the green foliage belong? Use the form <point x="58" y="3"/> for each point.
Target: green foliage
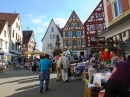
<point x="56" y="52"/>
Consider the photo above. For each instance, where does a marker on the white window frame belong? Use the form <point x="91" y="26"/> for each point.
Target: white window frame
<point x="49" y="45"/>
<point x="92" y="27"/>
<point x="69" y="34"/>
<point x="5" y="45"/>
<point x="113" y="9"/>
<point x="99" y="16"/>
<point x="52" y="29"/>
<point x="100" y="26"/>
<point x="74" y="24"/>
<point x="78" y="33"/>
<point x="78" y="42"/>
<point x="70" y="42"/>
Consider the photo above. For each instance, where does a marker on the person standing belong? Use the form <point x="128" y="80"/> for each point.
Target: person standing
<point x="65" y="62"/>
<point x="45" y="65"/>
<point x="15" y="60"/>
<point x="118" y="83"/>
<point x="34" y="62"/>
<point x="92" y="66"/>
<point x="58" y="69"/>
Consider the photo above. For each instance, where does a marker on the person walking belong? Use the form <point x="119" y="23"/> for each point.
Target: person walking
<point x="45" y="65"/>
<point x="65" y="62"/>
<point x="34" y="62"/>
<point x="15" y="60"/>
<point x="58" y="69"/>
<point x="118" y="84"/>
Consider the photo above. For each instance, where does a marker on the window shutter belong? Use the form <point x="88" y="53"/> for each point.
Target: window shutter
<point x="66" y="34"/>
<point x="66" y="43"/>
<point x="125" y="5"/>
<point x="81" y="33"/>
<point x="73" y="33"/>
<point x="109" y="11"/>
<point x="73" y="43"/>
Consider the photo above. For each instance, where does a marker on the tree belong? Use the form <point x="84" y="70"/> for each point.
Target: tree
<point x="56" y="52"/>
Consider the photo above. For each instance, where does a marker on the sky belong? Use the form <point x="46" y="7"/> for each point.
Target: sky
<point x="37" y="14"/>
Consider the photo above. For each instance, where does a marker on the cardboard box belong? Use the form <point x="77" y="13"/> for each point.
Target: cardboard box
<point x="85" y="75"/>
<point x="101" y="93"/>
<point x="90" y="92"/>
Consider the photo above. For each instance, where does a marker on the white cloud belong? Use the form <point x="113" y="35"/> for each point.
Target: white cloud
<point x="37" y="21"/>
<point x="42" y="16"/>
<point x="39" y="30"/>
<point x="60" y="21"/>
<point x="46" y="24"/>
<point x="29" y="15"/>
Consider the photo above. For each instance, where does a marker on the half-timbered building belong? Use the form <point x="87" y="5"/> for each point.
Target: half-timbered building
<point x="94" y="25"/>
<point x="74" y="35"/>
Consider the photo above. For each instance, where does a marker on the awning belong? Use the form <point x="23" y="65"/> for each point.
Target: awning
<point x="31" y="53"/>
<point x="5" y="53"/>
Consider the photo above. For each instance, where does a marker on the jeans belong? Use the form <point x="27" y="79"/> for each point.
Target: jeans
<point x="44" y="75"/>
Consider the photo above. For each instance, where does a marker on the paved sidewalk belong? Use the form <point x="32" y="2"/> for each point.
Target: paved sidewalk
<point x="24" y="83"/>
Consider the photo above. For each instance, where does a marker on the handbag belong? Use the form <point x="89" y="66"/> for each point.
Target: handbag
<point x="127" y="72"/>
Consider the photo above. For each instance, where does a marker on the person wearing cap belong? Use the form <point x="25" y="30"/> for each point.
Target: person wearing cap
<point x="118" y="83"/>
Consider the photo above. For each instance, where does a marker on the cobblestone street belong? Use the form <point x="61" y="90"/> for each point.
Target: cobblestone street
<point x="24" y="83"/>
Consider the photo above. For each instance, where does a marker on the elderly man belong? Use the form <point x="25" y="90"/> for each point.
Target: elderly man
<point x="65" y="62"/>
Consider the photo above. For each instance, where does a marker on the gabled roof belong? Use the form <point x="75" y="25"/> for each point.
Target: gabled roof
<point x="59" y="29"/>
<point x="26" y="36"/>
<point x="2" y="24"/>
<point x="70" y="18"/>
<point x="101" y="2"/>
<point x="10" y="17"/>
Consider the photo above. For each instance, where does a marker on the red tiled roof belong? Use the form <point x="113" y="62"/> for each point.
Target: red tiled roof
<point x="2" y="24"/>
<point x="10" y="17"/>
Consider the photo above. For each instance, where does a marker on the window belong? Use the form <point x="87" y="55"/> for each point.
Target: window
<point x="100" y="26"/>
<point x="64" y="43"/>
<point x="73" y="17"/>
<point x="5" y="45"/>
<point x="74" y="25"/>
<point x="124" y="34"/>
<point x="78" y="42"/>
<point x="12" y="46"/>
<point x="19" y="27"/>
<point x="1" y="41"/>
<point x="49" y="45"/>
<point x="20" y="49"/>
<point x="18" y="18"/>
<point x="69" y="34"/>
<point x="99" y="15"/>
<point x="52" y="29"/>
<point x="69" y="43"/>
<point x="91" y="28"/>
<point x="117" y="8"/>
<point x="16" y="25"/>
<point x="15" y="47"/>
<point x="78" y="33"/>
<point x="13" y="33"/>
<point x="52" y="36"/>
<point x="16" y="36"/>
<point x="4" y="33"/>
<point x="24" y="45"/>
<point x="83" y="42"/>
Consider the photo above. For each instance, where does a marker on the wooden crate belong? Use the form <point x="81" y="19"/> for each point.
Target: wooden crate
<point x="90" y="93"/>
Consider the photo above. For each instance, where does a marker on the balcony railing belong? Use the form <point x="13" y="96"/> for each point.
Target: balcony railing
<point x="18" y="42"/>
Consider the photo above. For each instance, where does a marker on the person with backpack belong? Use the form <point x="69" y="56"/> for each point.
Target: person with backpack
<point x="118" y="83"/>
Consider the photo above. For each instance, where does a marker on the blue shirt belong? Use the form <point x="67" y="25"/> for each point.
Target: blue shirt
<point x="45" y="64"/>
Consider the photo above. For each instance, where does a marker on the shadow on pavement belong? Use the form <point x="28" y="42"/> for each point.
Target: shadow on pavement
<point x="74" y="88"/>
